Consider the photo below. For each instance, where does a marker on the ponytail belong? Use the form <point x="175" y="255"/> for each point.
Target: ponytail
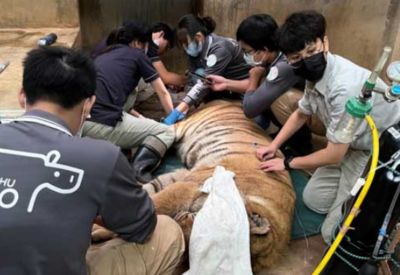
<point x="192" y="24"/>
<point x="112" y="37"/>
<point x="209" y="24"/>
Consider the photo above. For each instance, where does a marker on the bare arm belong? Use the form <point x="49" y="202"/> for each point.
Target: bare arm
<point x="237" y="86"/>
<point x="294" y="123"/>
<point x="163" y="95"/>
<point x="169" y="78"/>
<point x="333" y="153"/>
<point x="220" y="83"/>
<point x="255" y="75"/>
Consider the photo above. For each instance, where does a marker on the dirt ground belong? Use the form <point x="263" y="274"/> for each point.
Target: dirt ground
<point x="302" y="255"/>
<point x="14" y="44"/>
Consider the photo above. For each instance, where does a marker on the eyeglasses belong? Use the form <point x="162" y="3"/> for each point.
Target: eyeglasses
<point x="309" y="50"/>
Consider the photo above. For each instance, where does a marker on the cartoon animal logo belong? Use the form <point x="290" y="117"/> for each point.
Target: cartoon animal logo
<point x="62" y="179"/>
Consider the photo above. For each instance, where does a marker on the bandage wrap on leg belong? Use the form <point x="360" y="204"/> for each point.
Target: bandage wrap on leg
<point x="147" y="158"/>
<point x="196" y="95"/>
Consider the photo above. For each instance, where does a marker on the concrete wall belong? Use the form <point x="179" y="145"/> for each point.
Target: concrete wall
<point x="357" y="29"/>
<point x="38" y="13"/>
<point x="99" y="17"/>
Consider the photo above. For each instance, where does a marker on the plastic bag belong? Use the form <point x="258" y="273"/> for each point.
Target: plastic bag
<point x="220" y="240"/>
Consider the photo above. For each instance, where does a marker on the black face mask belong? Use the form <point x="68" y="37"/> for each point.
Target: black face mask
<point x="311" y="68"/>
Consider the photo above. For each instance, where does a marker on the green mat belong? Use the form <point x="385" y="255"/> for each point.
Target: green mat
<point x="305" y="222"/>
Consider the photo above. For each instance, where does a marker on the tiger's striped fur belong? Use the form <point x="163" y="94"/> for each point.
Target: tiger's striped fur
<point x="220" y="134"/>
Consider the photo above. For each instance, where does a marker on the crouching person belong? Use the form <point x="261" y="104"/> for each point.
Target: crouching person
<point x="54" y="183"/>
<point x="331" y="81"/>
<point x="119" y="70"/>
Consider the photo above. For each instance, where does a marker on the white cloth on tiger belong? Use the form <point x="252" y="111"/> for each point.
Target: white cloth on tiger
<point x="220" y="240"/>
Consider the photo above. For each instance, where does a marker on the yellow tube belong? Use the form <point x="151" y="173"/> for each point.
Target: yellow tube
<point x="359" y="201"/>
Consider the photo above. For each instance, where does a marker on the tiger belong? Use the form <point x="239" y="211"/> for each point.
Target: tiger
<point x="218" y="133"/>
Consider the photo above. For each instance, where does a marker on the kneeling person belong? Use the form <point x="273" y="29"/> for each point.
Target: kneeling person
<point x="58" y="183"/>
<point x="119" y="70"/>
<point x="331" y="80"/>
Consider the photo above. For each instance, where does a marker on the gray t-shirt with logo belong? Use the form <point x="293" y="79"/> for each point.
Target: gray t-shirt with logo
<point x="52" y="186"/>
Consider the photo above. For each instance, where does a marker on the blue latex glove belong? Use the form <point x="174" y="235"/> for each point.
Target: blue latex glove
<point x="173" y="117"/>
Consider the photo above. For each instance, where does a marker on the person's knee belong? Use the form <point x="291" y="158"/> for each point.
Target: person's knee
<point x="167" y="224"/>
<point x="313" y="201"/>
<point x="173" y="242"/>
<point x="167" y="136"/>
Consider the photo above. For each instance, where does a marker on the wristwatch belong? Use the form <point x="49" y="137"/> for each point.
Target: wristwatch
<point x="286" y="162"/>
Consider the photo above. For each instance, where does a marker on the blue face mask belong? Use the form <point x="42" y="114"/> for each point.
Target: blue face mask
<point x="194" y="49"/>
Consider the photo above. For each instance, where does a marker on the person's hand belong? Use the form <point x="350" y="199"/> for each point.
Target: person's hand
<point x="275" y="164"/>
<point x="217" y="83"/>
<point x="257" y="72"/>
<point x="135" y="113"/>
<point x="101" y="234"/>
<point x="267" y="152"/>
<point x="173" y="117"/>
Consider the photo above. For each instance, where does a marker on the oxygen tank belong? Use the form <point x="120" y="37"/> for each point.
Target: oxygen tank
<point x="362" y="240"/>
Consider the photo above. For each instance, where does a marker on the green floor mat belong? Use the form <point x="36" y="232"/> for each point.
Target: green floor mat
<point x="305" y="222"/>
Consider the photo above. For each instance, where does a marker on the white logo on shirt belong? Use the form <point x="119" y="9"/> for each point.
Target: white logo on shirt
<point x="273" y="73"/>
<point x="211" y="60"/>
<point x="59" y="174"/>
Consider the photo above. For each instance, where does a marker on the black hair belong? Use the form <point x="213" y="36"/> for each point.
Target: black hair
<point x="300" y="29"/>
<point x="259" y="32"/>
<point x="190" y="24"/>
<point x="59" y="75"/>
<point x="129" y="31"/>
<point x="168" y="32"/>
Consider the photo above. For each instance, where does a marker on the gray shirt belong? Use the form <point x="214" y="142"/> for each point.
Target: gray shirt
<point x="220" y="56"/>
<point x="326" y="98"/>
<point x="279" y="79"/>
<point x="52" y="186"/>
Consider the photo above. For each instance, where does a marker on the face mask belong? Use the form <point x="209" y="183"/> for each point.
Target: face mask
<point x="311" y="68"/>
<point x="249" y="58"/>
<point x="194" y="49"/>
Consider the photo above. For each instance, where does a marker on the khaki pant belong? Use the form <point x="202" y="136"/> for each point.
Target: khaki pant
<point x="287" y="103"/>
<point x="130" y="132"/>
<point x="330" y="186"/>
<point x="142" y="92"/>
<point x="161" y="254"/>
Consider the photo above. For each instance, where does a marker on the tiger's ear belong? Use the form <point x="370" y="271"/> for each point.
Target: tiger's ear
<point x="259" y="225"/>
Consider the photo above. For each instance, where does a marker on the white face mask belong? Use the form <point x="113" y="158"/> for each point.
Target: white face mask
<point x="249" y="58"/>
